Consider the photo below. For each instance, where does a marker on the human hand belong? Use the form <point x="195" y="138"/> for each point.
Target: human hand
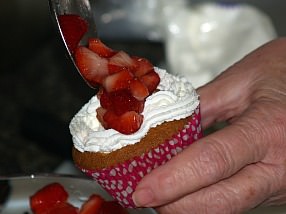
<point x="242" y="165"/>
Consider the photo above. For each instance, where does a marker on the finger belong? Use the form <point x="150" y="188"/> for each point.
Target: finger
<point x="209" y="160"/>
<point x="222" y="98"/>
<point x="230" y="93"/>
<point x="243" y="191"/>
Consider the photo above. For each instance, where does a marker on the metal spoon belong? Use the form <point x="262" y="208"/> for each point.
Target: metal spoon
<point x="83" y="8"/>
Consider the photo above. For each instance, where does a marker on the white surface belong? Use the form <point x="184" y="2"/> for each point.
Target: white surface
<point x="203" y="41"/>
<point x="67" y="168"/>
<point x="78" y="188"/>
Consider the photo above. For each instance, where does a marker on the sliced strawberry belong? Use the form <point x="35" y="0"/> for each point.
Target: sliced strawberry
<point x="47" y="197"/>
<point x="112" y="69"/>
<point x="73" y="28"/>
<point x="117" y="81"/>
<point x="138" y="89"/>
<point x="151" y="80"/>
<point x="125" y="82"/>
<point x="143" y="66"/>
<point x="99" y="115"/>
<point x="63" y="208"/>
<point x="92" y="205"/>
<point x="120" y="61"/>
<point x="106" y="100"/>
<point x="93" y="67"/>
<point x="122" y="101"/>
<point x="100" y="92"/>
<point x="112" y="207"/>
<point x="101" y="49"/>
<point x="127" y="123"/>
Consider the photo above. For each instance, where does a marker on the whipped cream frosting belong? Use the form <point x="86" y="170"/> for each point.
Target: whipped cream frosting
<point x="176" y="99"/>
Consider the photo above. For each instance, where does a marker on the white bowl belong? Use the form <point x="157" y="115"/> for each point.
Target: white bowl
<point x="79" y="189"/>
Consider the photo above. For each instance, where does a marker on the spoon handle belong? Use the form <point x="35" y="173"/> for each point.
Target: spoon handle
<point x="83" y="8"/>
<point x="80" y="8"/>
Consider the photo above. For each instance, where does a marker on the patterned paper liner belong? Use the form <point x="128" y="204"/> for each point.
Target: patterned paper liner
<point x="121" y="180"/>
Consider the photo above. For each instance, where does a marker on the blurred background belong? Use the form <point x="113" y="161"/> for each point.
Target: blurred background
<point x="40" y="91"/>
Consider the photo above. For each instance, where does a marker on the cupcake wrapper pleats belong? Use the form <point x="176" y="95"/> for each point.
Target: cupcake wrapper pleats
<point x="121" y="180"/>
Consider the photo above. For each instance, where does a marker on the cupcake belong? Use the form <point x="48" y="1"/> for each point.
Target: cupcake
<point x="118" y="161"/>
<point x="140" y="117"/>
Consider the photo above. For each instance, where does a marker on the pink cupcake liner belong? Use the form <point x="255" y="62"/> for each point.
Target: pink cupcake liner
<point x="121" y="180"/>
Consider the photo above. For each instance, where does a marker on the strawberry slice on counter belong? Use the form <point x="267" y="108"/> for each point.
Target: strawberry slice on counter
<point x="112" y="207"/>
<point x="73" y="28"/>
<point x="92" y="205"/>
<point x="48" y="197"/>
<point x="52" y="199"/>
<point x="62" y="208"/>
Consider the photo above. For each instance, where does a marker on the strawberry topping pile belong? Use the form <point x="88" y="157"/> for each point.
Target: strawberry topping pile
<point x="53" y="199"/>
<point x="124" y="82"/>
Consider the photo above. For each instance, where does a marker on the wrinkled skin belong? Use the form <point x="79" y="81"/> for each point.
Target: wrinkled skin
<point x="242" y="165"/>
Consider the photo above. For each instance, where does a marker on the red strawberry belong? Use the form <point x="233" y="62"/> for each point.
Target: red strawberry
<point x="124" y="82"/>
<point x="73" y="28"/>
<point x="100" y="92"/>
<point x="138" y="89"/>
<point x="93" y="68"/>
<point x="99" y="115"/>
<point x="101" y="49"/>
<point x="63" y="208"/>
<point x="112" y="69"/>
<point x="92" y="205"/>
<point x="48" y="197"/>
<point x="143" y="66"/>
<point x="117" y="81"/>
<point x="151" y="81"/>
<point x="122" y="101"/>
<point x="120" y="61"/>
<point x="105" y="100"/>
<point x="127" y="123"/>
<point x="112" y="207"/>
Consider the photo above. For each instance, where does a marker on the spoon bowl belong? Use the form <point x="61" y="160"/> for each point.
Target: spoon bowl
<point x="81" y="8"/>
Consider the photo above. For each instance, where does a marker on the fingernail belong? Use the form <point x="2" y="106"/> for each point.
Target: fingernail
<point x="143" y="197"/>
